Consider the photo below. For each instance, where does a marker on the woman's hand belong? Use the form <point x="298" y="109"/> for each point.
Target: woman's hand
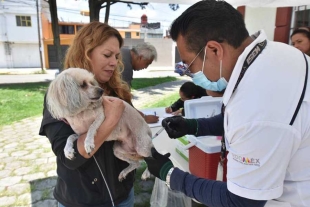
<point x="113" y="109"/>
<point x="177" y="112"/>
<point x="151" y="119"/>
<point x="168" y="110"/>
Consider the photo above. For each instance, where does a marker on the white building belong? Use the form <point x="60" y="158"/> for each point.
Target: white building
<point x="19" y="41"/>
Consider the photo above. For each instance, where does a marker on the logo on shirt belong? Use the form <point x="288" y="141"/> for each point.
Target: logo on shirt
<point x="246" y="160"/>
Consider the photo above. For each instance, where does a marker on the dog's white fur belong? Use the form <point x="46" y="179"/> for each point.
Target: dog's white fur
<point x="74" y="95"/>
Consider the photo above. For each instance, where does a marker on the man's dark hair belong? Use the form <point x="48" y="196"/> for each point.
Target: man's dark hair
<point x="209" y="20"/>
<point x="301" y="31"/>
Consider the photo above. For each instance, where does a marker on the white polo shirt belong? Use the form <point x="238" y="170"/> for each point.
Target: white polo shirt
<point x="269" y="159"/>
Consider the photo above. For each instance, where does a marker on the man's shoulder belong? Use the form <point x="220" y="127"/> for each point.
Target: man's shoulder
<point x="125" y="50"/>
<point x="126" y="56"/>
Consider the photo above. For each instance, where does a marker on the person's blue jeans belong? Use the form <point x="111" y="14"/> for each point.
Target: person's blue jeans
<point x="129" y="202"/>
<point x="60" y="205"/>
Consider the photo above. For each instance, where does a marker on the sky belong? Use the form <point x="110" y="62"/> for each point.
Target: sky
<point x="121" y="15"/>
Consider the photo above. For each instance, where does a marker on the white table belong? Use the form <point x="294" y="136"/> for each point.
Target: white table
<point x="163" y="143"/>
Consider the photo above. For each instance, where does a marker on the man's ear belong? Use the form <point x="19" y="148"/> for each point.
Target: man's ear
<point x="214" y="49"/>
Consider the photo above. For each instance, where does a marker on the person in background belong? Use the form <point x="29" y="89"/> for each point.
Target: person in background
<point x="138" y="58"/>
<point x="187" y="91"/>
<point x="92" y="179"/>
<point x="301" y="39"/>
<point x="265" y="119"/>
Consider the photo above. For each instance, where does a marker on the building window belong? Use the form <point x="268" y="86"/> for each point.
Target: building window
<point x="127" y="34"/>
<point x="78" y="27"/>
<point x="137" y="34"/>
<point x="66" y="29"/>
<point x="302" y="17"/>
<point x="23" y="21"/>
<point x="150" y="35"/>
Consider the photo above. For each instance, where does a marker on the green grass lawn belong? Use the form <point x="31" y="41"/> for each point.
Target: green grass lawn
<point x="138" y="83"/>
<point x="19" y="101"/>
<point x="165" y="101"/>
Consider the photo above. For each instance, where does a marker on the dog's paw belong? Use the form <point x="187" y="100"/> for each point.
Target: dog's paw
<point x="69" y="153"/>
<point x="89" y="146"/>
<point x="146" y="174"/>
<point x="122" y="176"/>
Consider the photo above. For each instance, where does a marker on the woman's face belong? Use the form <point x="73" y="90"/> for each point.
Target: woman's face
<point x="301" y="42"/>
<point x="104" y="59"/>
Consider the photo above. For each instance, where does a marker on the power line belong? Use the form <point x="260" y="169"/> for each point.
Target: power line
<point x="26" y="2"/>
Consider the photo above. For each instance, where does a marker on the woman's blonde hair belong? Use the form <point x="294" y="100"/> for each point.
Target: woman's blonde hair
<point x="78" y="56"/>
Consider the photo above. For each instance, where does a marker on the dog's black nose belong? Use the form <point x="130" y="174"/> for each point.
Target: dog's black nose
<point x="100" y="91"/>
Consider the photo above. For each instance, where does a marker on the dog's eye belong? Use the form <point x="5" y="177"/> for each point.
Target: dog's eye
<point x="93" y="83"/>
<point x="83" y="85"/>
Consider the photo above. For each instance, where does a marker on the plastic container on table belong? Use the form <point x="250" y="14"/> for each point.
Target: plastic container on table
<point x="204" y="151"/>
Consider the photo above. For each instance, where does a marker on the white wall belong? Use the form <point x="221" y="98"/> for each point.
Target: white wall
<point x="26" y="56"/>
<point x="261" y="18"/>
<point x="164" y="47"/>
<point x="21" y="56"/>
<point x="165" y="51"/>
<point x="3" y="62"/>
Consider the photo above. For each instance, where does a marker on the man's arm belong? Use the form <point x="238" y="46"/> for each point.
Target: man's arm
<point x="211" y="126"/>
<point x="209" y="192"/>
<point x="177" y="126"/>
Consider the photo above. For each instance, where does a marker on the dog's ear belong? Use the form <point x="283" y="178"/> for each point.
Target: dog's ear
<point x="70" y="94"/>
<point x="62" y="97"/>
<point x="55" y="97"/>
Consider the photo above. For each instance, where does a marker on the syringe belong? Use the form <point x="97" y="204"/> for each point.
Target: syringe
<point x="157" y="133"/>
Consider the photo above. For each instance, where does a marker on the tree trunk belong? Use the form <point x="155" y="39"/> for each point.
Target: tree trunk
<point x="94" y="9"/>
<point x="107" y="12"/>
<point x="55" y="29"/>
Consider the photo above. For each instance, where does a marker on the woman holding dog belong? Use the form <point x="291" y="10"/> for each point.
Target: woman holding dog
<point x="92" y="179"/>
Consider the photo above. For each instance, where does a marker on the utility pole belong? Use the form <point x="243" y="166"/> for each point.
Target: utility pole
<point x="39" y="34"/>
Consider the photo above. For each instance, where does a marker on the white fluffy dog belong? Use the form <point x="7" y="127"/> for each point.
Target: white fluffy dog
<point x="75" y="96"/>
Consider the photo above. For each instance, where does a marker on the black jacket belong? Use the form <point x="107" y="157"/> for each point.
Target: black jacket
<point x="79" y="182"/>
<point x="178" y="105"/>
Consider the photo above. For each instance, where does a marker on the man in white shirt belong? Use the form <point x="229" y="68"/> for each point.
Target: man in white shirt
<point x="266" y="111"/>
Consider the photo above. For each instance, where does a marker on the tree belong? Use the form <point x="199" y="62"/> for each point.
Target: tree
<point x="55" y="29"/>
<point x="96" y="6"/>
<point x="94" y="9"/>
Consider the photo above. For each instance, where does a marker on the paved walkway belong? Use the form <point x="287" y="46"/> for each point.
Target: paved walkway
<point x="27" y="164"/>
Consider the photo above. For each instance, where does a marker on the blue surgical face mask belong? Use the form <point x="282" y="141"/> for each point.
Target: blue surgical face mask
<point x="200" y="79"/>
